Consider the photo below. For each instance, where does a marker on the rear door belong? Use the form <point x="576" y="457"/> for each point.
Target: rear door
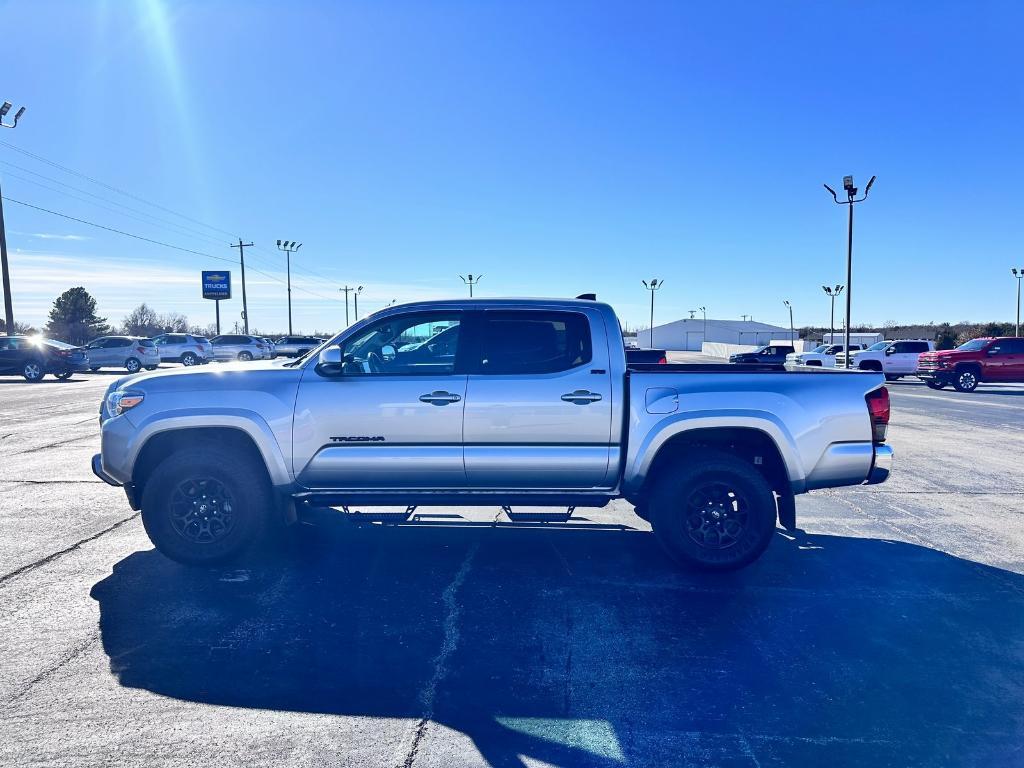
<point x="539" y="401"/>
<point x="392" y="416"/>
<point x="1004" y="360"/>
<point x="10" y="357"/>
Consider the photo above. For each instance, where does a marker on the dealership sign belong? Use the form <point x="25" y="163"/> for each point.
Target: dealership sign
<point x="217" y="285"/>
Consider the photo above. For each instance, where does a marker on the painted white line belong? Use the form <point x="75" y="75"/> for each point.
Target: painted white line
<point x="964" y="400"/>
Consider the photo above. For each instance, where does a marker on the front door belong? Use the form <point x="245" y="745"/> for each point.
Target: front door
<point x="391" y="417"/>
<point x="539" y="402"/>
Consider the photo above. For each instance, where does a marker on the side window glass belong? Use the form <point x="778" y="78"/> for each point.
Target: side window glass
<point x="405" y="345"/>
<point x="520" y="342"/>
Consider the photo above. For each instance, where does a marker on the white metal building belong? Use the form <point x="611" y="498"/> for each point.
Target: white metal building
<point x="689" y="334"/>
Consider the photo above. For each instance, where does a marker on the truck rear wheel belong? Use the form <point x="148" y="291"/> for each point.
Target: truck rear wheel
<point x="201" y="507"/>
<point x="714" y="514"/>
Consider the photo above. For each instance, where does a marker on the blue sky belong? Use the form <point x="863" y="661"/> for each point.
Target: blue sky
<point x="555" y="148"/>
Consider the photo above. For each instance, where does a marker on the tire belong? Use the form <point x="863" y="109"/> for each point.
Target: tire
<point x="189" y="359"/>
<point x="33" y="370"/>
<point x="892" y="377"/>
<point x="245" y="356"/>
<point x="95" y="369"/>
<point x="64" y="375"/>
<point x="727" y="498"/>
<point x="966" y="380"/>
<point x="132" y="365"/>
<point x="232" y="483"/>
<point x="935" y="384"/>
<point x="151" y="367"/>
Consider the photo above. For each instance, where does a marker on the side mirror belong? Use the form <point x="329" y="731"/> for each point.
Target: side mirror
<point x="330" y="361"/>
<point x="992" y="351"/>
<point x="387" y="352"/>
<point x="890" y="350"/>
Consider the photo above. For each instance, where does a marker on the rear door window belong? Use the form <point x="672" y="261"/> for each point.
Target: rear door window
<point x="522" y="342"/>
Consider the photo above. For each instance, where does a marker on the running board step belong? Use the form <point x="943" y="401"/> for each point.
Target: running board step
<point x="538" y="517"/>
<point x="391" y="518"/>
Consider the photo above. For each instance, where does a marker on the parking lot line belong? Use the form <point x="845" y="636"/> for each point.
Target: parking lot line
<point x="964" y="400"/>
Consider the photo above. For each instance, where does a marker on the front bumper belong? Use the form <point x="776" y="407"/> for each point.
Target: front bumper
<point x="934" y="374"/>
<point x="881" y="466"/>
<point x="97" y="469"/>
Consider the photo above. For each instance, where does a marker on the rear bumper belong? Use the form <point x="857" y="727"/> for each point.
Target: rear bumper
<point x="881" y="466"/>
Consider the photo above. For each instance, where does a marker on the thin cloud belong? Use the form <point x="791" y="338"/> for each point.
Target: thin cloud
<point x="55" y="236"/>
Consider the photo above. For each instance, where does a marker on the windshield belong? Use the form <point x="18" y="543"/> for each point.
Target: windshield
<point x="974" y="345"/>
<point x="819" y="348"/>
<point x="57" y="344"/>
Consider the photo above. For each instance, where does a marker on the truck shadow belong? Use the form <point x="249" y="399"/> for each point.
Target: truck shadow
<point x="586" y="647"/>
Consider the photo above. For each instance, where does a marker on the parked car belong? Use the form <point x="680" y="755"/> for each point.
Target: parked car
<point x="126" y="352"/>
<point x="976" y="361"/>
<point x="823" y="355"/>
<point x="271" y="347"/>
<point x="531" y="405"/>
<point x="184" y="348"/>
<point x="773" y="354"/>
<point x="296" y="346"/>
<point x="34" y="356"/>
<point x="637" y="356"/>
<point x="236" y="346"/>
<point x="895" y="359"/>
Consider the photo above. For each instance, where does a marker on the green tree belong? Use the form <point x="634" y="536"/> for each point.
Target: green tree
<point x="73" y="318"/>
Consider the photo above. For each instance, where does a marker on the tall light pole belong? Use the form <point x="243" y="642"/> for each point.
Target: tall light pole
<point x="832" y="293"/>
<point x="704" y="311"/>
<point x="289" y="248"/>
<point x="1018" y="273"/>
<point x="792" y="335"/>
<point x="8" y="304"/>
<point x="355" y="298"/>
<point x="652" y="286"/>
<point x="470" y="281"/>
<point x="851" y="200"/>
<point x="346" y="291"/>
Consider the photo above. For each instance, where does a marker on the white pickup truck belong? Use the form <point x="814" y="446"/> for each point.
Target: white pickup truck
<point x="515" y="403"/>
<point x="823" y="355"/>
<point x="895" y="359"/>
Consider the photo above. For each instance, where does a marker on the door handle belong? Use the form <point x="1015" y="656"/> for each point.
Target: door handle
<point x="581" y="397"/>
<point x="440" y="397"/>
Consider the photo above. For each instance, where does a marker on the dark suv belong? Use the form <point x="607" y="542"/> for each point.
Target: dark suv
<point x="34" y="357"/>
<point x="978" y="360"/>
<point x="770" y="353"/>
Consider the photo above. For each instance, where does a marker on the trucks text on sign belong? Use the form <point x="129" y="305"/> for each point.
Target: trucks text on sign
<point x="217" y="285"/>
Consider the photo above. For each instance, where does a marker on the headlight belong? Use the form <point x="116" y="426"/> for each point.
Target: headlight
<point x="123" y="400"/>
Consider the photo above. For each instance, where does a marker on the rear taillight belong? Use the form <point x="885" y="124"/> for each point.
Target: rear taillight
<point x="64" y="352"/>
<point x="878" y="409"/>
<point x="663" y="360"/>
<point x="141" y="350"/>
<point x="199" y="347"/>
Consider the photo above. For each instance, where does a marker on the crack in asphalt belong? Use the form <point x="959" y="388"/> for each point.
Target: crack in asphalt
<point x="54" y="445"/>
<point x="448" y="645"/>
<point x="70" y="656"/>
<point x="53" y="556"/>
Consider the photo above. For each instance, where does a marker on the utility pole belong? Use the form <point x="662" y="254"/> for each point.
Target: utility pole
<point x="245" y="307"/>
<point x="654" y="285"/>
<point x="289" y="248"/>
<point x="355" y="299"/>
<point x="832" y="293"/>
<point x="8" y="303"/>
<point x="346" y="290"/>
<point x="471" y="281"/>
<point x="851" y="200"/>
<point x="1019" y="274"/>
<point x="792" y="335"/>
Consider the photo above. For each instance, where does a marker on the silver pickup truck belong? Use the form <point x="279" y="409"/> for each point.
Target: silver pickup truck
<point x="516" y="403"/>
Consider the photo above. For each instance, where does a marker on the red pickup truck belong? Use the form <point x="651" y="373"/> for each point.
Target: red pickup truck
<point x="978" y="360"/>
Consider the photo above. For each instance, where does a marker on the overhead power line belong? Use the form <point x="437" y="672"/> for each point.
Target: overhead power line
<point x="160" y="243"/>
<point x="112" y="188"/>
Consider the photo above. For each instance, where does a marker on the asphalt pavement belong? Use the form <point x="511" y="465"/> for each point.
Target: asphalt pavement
<point x="888" y="631"/>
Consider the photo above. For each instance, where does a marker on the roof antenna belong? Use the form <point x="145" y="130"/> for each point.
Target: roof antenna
<point x="588" y="296"/>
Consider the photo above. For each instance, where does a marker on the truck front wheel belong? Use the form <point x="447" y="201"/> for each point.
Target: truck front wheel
<point x="717" y="513"/>
<point x="201" y="507"/>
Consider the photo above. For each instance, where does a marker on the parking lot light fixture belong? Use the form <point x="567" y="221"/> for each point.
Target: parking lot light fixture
<point x="792" y="335"/>
<point x="704" y="311"/>
<point x="289" y="247"/>
<point x="355" y="298"/>
<point x="832" y="293"/>
<point x="652" y="286"/>
<point x="1019" y="274"/>
<point x="470" y="281"/>
<point x="8" y="304"/>
<point x="851" y="200"/>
